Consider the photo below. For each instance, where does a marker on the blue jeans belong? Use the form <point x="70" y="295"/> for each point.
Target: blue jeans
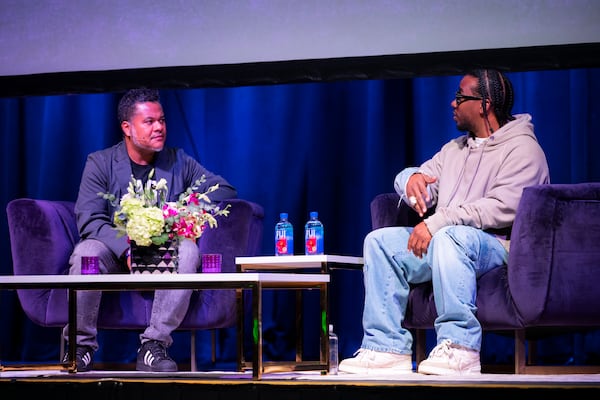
<point x="168" y="307"/>
<point x="456" y="257"/>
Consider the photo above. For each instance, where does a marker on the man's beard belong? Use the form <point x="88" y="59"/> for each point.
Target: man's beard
<point x="143" y="146"/>
<point x="462" y="127"/>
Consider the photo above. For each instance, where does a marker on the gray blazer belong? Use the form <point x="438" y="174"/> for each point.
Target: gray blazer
<point x="109" y="171"/>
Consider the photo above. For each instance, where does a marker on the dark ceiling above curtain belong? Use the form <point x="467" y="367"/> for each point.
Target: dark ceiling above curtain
<point x="322" y="70"/>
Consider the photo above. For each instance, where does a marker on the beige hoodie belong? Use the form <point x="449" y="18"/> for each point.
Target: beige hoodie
<point x="481" y="186"/>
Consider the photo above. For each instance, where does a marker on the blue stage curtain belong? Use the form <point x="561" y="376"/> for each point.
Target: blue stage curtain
<point x="328" y="147"/>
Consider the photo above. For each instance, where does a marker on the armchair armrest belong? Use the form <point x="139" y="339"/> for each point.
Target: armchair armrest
<point x="553" y="264"/>
<point x="388" y="210"/>
<point x="42" y="234"/>
<point x="239" y="234"/>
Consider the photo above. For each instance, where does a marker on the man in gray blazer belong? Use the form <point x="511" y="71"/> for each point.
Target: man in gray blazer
<point x="110" y="170"/>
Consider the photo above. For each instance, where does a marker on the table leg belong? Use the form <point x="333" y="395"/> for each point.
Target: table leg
<point x="240" y="329"/>
<point x="325" y="319"/>
<point x="257" y="334"/>
<point x="324" y="326"/>
<point x="72" y="365"/>
<point x="299" y="326"/>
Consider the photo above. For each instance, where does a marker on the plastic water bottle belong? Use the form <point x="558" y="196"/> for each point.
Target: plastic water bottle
<point x="313" y="235"/>
<point x="284" y="236"/>
<point x="333" y="352"/>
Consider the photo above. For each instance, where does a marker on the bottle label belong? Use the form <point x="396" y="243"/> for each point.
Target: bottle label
<point x="283" y="243"/>
<point x="314" y="241"/>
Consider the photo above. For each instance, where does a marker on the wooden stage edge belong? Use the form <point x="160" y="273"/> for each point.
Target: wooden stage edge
<point x="298" y="385"/>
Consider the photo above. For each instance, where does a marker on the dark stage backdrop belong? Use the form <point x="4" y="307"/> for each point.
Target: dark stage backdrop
<point x="328" y="146"/>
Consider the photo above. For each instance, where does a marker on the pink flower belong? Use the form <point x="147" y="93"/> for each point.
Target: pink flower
<point x="169" y="210"/>
<point x="194" y="199"/>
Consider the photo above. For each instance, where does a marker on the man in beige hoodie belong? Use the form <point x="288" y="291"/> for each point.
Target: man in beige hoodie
<point x="475" y="183"/>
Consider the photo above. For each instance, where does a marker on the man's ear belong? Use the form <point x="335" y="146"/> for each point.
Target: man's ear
<point x="486" y="104"/>
<point x="126" y="128"/>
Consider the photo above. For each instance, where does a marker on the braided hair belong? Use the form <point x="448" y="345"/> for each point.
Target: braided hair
<point x="496" y="87"/>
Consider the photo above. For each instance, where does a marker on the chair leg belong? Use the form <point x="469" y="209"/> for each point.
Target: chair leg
<point x="525" y="362"/>
<point x="193" y="365"/>
<point x="420" y="336"/>
<point x="62" y="348"/>
<point x="520" y="356"/>
<point x="213" y="345"/>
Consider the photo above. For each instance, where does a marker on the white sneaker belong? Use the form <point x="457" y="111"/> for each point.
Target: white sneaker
<point x="370" y="362"/>
<point x="450" y="359"/>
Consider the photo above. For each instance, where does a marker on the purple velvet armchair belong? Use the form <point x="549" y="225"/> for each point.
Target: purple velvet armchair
<point x="43" y="234"/>
<point x="550" y="281"/>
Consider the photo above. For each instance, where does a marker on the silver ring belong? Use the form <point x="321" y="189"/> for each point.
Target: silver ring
<point x="412" y="200"/>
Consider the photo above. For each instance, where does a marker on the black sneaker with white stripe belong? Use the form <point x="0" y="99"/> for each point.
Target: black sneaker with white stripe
<point x="153" y="357"/>
<point x="84" y="358"/>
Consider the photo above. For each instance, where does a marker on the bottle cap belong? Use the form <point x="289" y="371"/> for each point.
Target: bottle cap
<point x="314" y="214"/>
<point x="283" y="215"/>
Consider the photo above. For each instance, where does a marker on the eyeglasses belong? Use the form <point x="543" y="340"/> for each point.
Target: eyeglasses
<point x="461" y="98"/>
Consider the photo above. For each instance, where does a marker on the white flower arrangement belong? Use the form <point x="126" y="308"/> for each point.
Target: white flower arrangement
<point x="146" y="218"/>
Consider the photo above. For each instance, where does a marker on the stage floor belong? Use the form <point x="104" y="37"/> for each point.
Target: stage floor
<point x="565" y="380"/>
<point x="225" y="385"/>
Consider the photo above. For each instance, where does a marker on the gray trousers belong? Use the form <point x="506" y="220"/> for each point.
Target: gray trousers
<point x="168" y="308"/>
